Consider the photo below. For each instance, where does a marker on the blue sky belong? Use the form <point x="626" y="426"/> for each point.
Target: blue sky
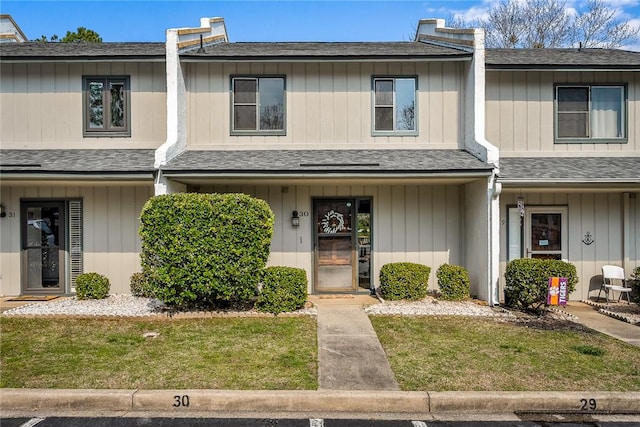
<point x="300" y="20"/>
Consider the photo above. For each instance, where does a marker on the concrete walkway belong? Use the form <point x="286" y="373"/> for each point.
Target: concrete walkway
<point x="350" y="357"/>
<point x="589" y="316"/>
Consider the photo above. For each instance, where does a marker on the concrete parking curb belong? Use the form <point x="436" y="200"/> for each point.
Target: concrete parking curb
<point x="319" y="402"/>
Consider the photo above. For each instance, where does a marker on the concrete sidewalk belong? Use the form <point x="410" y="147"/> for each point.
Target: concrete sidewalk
<point x="591" y="318"/>
<point x="350" y="356"/>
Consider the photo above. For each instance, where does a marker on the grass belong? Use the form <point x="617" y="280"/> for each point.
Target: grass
<point x="214" y="353"/>
<point x="426" y="353"/>
<point x="457" y="353"/>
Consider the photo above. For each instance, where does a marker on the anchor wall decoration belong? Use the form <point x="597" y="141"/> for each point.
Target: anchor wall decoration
<point x="588" y="239"/>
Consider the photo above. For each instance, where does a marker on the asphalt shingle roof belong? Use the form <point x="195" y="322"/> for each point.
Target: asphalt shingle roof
<point x="323" y="161"/>
<point x="570" y="169"/>
<point x="53" y="51"/>
<point x="326" y="50"/>
<point x="77" y="161"/>
<point x="559" y="58"/>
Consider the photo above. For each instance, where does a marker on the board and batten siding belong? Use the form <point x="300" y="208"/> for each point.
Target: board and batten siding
<point x="520" y="112"/>
<point x="599" y="213"/>
<point x="328" y="105"/>
<point x="111" y="245"/>
<point x="42" y="105"/>
<point x="412" y="223"/>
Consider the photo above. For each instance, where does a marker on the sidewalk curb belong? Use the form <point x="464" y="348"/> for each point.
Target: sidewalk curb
<point x="322" y="401"/>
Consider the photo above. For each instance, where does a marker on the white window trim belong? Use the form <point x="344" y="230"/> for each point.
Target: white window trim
<point x="394" y="132"/>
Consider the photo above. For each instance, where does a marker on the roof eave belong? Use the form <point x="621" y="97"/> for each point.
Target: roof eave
<point x="564" y="68"/>
<point x="341" y="58"/>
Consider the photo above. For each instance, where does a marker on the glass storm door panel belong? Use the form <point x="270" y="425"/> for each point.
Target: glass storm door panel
<point x="364" y="242"/>
<point x="43" y="241"/>
<point x="546" y="233"/>
<point x="335" y="249"/>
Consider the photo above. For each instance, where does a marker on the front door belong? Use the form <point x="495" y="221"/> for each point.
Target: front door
<point x="546" y="233"/>
<point x="43" y="247"/>
<point x="335" y="249"/>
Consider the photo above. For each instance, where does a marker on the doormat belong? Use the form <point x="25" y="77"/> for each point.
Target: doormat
<point x="33" y="298"/>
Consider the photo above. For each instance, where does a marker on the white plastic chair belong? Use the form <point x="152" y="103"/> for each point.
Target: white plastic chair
<point x="613" y="280"/>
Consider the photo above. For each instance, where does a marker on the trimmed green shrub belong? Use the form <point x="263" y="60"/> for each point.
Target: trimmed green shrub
<point x="140" y="286"/>
<point x="453" y="282"/>
<point x="283" y="289"/>
<point x="204" y="249"/>
<point x="527" y="281"/>
<point x="635" y="285"/>
<point x="404" y="280"/>
<point x="92" y="286"/>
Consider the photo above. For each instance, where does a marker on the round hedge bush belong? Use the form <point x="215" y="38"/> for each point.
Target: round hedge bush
<point x="453" y="281"/>
<point x="404" y="280"/>
<point x="283" y="289"/>
<point x="92" y="286"/>
<point x="527" y="281"/>
<point x="204" y="250"/>
<point x="140" y="286"/>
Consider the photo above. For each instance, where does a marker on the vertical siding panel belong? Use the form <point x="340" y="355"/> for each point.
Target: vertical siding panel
<point x="425" y="225"/>
<point x="7" y="102"/>
<point x="520" y="115"/>
<point x="412" y="223"/>
<point x="340" y="99"/>
<point x="296" y="103"/>
<point x="313" y="107"/>
<point x="48" y="103"/>
<point x="327" y="112"/>
<point x="450" y="104"/>
<point x="435" y="89"/>
<point x="89" y="226"/>
<point x="440" y="237"/>
<point x="366" y="102"/>
<point x="454" y="223"/>
<point x="398" y="223"/>
<point x="34" y="106"/>
<point x="356" y="89"/>
<point x="492" y="111"/>
<point x="506" y="109"/>
<point x="383" y="226"/>
<point x="20" y="103"/>
<point x="63" y="107"/>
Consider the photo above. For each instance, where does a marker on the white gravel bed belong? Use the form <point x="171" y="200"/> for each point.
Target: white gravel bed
<point x="124" y="305"/>
<point x="431" y="306"/>
<point x="118" y="305"/>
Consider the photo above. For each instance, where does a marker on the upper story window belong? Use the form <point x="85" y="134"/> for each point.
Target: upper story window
<point x="258" y="105"/>
<point x="106" y="106"/>
<point x="591" y="113"/>
<point x="394" y="100"/>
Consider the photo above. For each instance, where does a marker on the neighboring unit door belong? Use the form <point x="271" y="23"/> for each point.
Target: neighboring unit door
<point x="335" y="248"/>
<point x="43" y="236"/>
<point x="546" y="233"/>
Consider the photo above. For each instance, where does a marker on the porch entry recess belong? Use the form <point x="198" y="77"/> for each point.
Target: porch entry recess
<point x="51" y="241"/>
<point x="541" y="233"/>
<point x="342" y="244"/>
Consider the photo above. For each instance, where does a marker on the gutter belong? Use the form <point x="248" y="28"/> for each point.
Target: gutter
<point x="53" y="176"/>
<point x="323" y="174"/>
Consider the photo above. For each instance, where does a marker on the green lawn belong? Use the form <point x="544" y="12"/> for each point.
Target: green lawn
<point x="280" y="353"/>
<point x="458" y="353"/>
<point x="213" y="353"/>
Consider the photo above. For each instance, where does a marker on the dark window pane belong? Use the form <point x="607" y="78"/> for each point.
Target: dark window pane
<point x="117" y="104"/>
<point x="244" y="91"/>
<point x="546" y="232"/>
<point x="573" y="125"/>
<point x="96" y="106"/>
<point x="272" y="104"/>
<point x="384" y="118"/>
<point x="244" y="117"/>
<point x="384" y="92"/>
<point x="573" y="99"/>
<point x="405" y="104"/>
